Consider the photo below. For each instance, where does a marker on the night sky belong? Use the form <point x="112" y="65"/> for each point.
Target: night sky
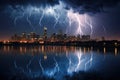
<point x="85" y="17"/>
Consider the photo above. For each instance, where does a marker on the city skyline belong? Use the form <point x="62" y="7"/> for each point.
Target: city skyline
<point x="59" y="36"/>
<point x="60" y="31"/>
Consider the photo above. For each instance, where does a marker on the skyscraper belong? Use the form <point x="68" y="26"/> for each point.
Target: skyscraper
<point x="45" y="33"/>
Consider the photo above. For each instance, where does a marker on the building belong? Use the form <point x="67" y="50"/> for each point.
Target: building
<point x="15" y="38"/>
<point x="45" y="33"/>
<point x="103" y="38"/>
<point x="85" y="37"/>
<point x="33" y="37"/>
<point x="23" y="36"/>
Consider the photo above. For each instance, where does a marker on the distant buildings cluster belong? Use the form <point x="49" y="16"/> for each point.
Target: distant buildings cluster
<point x="55" y="37"/>
<point x="59" y="39"/>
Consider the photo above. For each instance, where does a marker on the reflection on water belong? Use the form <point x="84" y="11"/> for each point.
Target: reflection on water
<point x="116" y="51"/>
<point x="51" y="61"/>
<point x="104" y="50"/>
<point x="53" y="49"/>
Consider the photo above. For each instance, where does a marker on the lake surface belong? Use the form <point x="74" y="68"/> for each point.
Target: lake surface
<point x="59" y="63"/>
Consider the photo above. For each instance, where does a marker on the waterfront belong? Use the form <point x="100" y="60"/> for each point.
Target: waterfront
<point x="59" y="62"/>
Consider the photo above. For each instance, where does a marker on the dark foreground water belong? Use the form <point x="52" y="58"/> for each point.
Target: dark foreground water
<point x="59" y="63"/>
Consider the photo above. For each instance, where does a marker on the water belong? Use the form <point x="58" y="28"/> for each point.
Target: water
<point x="59" y="63"/>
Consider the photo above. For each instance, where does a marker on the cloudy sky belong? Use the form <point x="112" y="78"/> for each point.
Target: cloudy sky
<point x="94" y="17"/>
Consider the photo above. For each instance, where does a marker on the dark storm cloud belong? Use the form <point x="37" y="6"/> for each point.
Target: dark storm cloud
<point x="82" y="6"/>
<point x="32" y="2"/>
<point x="4" y="3"/>
<point x="93" y="6"/>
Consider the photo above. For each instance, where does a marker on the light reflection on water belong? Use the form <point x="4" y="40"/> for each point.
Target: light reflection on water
<point x="52" y="49"/>
<point x="51" y="61"/>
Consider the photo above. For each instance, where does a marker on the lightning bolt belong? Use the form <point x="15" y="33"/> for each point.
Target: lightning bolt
<point x="79" y="25"/>
<point x="18" y="68"/>
<point x="89" y="62"/>
<point x="75" y="67"/>
<point x="41" y="66"/>
<point x="56" y="20"/>
<point x="41" y="18"/>
<point x="89" y="23"/>
<point x="29" y="22"/>
<point x="81" y="21"/>
<point x="21" y="15"/>
<point x="53" y="71"/>
<point x="76" y="18"/>
<point x="70" y="21"/>
<point x="91" y="27"/>
<point x="57" y="69"/>
<point x="29" y="63"/>
<point x="70" y="68"/>
<point x="79" y="62"/>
